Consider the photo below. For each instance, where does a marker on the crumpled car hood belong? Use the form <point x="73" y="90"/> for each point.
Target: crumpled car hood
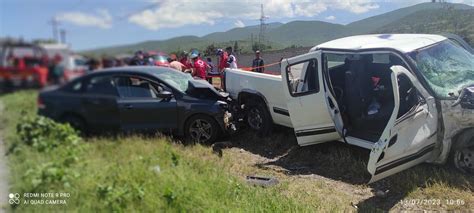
<point x="202" y="89"/>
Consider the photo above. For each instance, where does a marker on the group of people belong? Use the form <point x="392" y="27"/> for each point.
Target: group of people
<point x="194" y="63"/>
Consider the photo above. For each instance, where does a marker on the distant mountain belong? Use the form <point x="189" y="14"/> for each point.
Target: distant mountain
<point x="450" y="20"/>
<point x="305" y="33"/>
<point x="240" y="33"/>
<point x="373" y="23"/>
<point x="420" y="18"/>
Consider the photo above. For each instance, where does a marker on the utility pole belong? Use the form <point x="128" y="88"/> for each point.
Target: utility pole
<point x="263" y="25"/>
<point x="62" y="33"/>
<point x="54" y="23"/>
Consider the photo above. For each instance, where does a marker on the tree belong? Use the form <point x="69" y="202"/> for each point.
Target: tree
<point x="236" y="48"/>
<point x="210" y="50"/>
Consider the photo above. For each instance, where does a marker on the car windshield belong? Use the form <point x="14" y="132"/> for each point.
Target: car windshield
<point x="446" y="66"/>
<point x="176" y="79"/>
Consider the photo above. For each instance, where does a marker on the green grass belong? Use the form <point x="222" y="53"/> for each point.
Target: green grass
<point x="119" y="174"/>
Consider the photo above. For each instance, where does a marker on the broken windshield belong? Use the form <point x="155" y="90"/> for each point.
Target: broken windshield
<point x="446" y="67"/>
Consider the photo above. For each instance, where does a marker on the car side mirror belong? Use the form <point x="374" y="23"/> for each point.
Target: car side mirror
<point x="165" y="95"/>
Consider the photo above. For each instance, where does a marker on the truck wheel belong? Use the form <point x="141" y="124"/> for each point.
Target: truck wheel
<point x="201" y="129"/>
<point x="258" y="119"/>
<point x="462" y="155"/>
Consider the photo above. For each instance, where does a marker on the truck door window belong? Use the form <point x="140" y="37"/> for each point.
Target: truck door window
<point x="409" y="97"/>
<point x="303" y="77"/>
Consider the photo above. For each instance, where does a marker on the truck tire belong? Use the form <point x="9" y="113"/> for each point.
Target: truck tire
<point x="258" y="118"/>
<point x="462" y="152"/>
<point x="201" y="129"/>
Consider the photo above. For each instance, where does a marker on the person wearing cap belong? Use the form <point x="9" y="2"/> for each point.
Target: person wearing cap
<point x="222" y="60"/>
<point x="231" y="60"/>
<point x="199" y="66"/>
<point x="138" y="59"/>
<point x="175" y="64"/>
<point x="258" y="63"/>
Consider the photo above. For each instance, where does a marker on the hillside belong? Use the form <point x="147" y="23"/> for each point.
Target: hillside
<point x="460" y="22"/>
<point x="306" y="33"/>
<point x="240" y="33"/>
<point x="420" y="18"/>
<point x="373" y="23"/>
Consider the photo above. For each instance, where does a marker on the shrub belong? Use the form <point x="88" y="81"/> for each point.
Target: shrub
<point x="62" y="144"/>
<point x="44" y="134"/>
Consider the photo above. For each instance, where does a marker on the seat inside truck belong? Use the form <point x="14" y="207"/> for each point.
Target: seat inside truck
<point x="363" y="89"/>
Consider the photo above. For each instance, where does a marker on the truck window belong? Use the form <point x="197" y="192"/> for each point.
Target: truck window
<point x="303" y="77"/>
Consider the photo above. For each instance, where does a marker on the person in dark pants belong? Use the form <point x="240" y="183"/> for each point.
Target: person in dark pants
<point x="258" y="63"/>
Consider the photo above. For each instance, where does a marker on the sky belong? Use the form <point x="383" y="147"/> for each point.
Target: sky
<point x="92" y="24"/>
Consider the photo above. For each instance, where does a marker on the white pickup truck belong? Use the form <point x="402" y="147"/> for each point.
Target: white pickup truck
<point x="408" y="98"/>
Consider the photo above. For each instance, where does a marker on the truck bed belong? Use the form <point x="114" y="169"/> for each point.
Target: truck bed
<point x="267" y="85"/>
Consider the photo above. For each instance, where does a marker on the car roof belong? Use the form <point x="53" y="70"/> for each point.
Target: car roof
<point x="402" y="42"/>
<point x="148" y="70"/>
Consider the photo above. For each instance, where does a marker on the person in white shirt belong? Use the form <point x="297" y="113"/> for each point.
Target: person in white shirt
<point x="231" y="60"/>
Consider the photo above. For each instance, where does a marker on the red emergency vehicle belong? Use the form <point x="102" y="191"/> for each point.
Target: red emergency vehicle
<point x="22" y="65"/>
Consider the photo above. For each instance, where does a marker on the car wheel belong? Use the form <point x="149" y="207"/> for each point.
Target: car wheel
<point x="464" y="160"/>
<point x="201" y="129"/>
<point x="76" y="122"/>
<point x="463" y="153"/>
<point x="258" y="119"/>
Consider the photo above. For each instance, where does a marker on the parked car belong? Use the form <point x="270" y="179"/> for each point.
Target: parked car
<point x="139" y="98"/>
<point x="408" y="98"/>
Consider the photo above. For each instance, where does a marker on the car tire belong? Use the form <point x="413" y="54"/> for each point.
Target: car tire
<point x="259" y="119"/>
<point x="76" y="122"/>
<point x="201" y="129"/>
<point x="462" y="152"/>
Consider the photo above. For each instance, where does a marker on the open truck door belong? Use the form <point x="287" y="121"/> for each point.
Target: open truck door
<point x="410" y="135"/>
<point x="313" y="111"/>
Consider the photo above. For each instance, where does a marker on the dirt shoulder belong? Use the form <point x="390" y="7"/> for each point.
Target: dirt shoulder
<point x="337" y="174"/>
<point x="4" y="171"/>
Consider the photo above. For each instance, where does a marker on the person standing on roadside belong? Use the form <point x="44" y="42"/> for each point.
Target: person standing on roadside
<point x="199" y="66"/>
<point x="211" y="67"/>
<point x="231" y="60"/>
<point x="258" y="63"/>
<point x="222" y="60"/>
<point x="138" y="59"/>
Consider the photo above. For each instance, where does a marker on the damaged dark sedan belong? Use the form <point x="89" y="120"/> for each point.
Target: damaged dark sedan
<point x="139" y="98"/>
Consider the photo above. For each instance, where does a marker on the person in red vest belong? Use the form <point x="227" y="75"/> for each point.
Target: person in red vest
<point x="199" y="66"/>
<point x="223" y="57"/>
